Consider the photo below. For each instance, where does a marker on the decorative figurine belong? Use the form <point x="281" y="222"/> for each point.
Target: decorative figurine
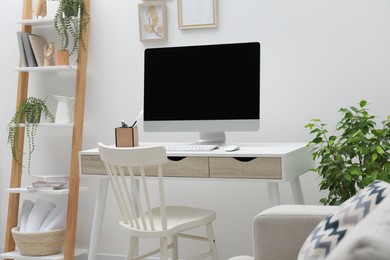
<point x="49" y="53"/>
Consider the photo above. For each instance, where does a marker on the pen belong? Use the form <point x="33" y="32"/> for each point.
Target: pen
<point x="137" y="118"/>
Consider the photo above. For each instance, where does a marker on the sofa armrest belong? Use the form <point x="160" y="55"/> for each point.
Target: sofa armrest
<point x="280" y="231"/>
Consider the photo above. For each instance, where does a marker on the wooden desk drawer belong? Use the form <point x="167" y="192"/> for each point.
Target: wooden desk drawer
<point x="92" y="165"/>
<point x="187" y="167"/>
<point x="251" y="168"/>
<point x="176" y="166"/>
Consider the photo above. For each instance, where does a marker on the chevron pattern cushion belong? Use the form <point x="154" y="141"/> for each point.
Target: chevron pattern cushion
<point x="333" y="228"/>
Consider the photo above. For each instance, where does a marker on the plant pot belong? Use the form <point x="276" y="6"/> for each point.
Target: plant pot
<point x="32" y="118"/>
<point x="71" y="11"/>
<point x="62" y="57"/>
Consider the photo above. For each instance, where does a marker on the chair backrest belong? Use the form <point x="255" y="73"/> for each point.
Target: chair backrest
<point x="134" y="199"/>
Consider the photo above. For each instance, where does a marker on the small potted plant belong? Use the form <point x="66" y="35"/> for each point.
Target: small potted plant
<point x="28" y="113"/>
<point x="71" y="20"/>
<point x="354" y="156"/>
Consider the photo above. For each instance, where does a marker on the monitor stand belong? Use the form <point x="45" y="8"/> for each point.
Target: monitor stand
<point x="217" y="138"/>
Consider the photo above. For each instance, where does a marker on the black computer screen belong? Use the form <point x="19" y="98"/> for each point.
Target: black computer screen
<point x="204" y="82"/>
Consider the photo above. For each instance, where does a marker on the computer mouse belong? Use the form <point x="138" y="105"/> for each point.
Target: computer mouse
<point x="231" y="148"/>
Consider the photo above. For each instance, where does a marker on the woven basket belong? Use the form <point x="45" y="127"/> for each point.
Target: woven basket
<point x="39" y="243"/>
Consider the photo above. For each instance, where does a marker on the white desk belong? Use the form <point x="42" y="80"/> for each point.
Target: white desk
<point x="267" y="162"/>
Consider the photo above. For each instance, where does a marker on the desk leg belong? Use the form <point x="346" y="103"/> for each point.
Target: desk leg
<point x="297" y="191"/>
<point x="273" y="193"/>
<point x="98" y="216"/>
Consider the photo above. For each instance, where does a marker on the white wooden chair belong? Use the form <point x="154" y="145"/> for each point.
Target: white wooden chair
<point x="139" y="217"/>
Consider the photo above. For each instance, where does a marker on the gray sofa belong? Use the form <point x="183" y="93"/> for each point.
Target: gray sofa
<point x="279" y="233"/>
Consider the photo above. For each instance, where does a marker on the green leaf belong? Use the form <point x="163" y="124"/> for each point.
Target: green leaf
<point x="355" y="109"/>
<point x="315" y="130"/>
<point x="317" y="140"/>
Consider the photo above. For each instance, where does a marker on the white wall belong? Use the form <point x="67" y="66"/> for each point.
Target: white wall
<point x="317" y="56"/>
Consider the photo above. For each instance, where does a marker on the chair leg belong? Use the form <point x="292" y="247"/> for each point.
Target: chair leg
<point x="211" y="237"/>
<point x="164" y="248"/>
<point x="175" y="250"/>
<point x="133" y="247"/>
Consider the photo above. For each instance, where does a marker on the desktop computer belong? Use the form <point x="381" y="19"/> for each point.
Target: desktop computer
<point x="210" y="89"/>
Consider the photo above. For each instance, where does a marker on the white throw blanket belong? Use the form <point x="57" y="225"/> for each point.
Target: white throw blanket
<point x="42" y="216"/>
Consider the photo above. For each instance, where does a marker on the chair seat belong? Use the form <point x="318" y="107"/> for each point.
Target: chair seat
<point x="179" y="219"/>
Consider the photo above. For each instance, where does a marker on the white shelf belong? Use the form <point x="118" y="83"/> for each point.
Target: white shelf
<point x="48" y="68"/>
<point x="16" y="255"/>
<point x="48" y="125"/>
<point x="54" y="192"/>
<point x="37" y="22"/>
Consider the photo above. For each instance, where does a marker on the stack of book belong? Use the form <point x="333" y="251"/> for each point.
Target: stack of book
<point x="32" y="49"/>
<point x="49" y="183"/>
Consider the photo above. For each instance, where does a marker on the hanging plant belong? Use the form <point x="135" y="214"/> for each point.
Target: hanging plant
<point x="71" y="20"/>
<point x="28" y="113"/>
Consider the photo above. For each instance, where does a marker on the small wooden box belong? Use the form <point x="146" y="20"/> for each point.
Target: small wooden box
<point x="126" y="137"/>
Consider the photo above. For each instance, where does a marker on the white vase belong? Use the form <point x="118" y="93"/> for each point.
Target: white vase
<point x="63" y="109"/>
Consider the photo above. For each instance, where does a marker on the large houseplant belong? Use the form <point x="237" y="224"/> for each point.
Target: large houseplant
<point x="28" y="113"/>
<point x="70" y="22"/>
<point x="355" y="155"/>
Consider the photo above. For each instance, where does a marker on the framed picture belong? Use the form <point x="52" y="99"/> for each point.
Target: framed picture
<point x="197" y="13"/>
<point x="152" y="16"/>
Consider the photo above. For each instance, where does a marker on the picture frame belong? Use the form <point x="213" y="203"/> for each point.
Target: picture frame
<point x="152" y="17"/>
<point x="197" y="14"/>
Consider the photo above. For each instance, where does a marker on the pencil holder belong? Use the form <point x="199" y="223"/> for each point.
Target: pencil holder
<point x="126" y="136"/>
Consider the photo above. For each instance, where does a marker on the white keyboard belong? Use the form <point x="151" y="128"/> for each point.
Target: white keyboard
<point x="190" y="147"/>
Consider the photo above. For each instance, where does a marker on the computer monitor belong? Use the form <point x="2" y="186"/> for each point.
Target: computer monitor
<point x="210" y="89"/>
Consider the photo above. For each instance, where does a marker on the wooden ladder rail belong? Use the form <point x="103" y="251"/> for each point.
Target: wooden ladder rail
<point x="16" y="169"/>
<point x="77" y="140"/>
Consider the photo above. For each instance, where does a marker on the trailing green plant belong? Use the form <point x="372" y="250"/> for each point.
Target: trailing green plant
<point x="354" y="156"/>
<point x="71" y="19"/>
<point x="28" y="113"/>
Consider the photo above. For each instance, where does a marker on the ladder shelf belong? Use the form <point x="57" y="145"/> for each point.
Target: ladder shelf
<point x="72" y="192"/>
<point x="16" y="255"/>
<point x="53" y="192"/>
<point x="48" y="68"/>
